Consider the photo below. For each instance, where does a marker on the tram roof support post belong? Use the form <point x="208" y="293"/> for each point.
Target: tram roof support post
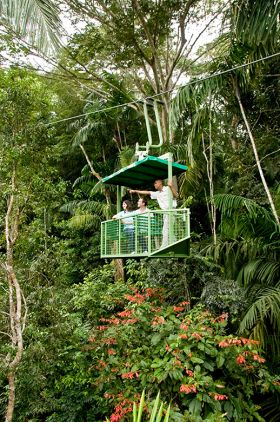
<point x="170" y="176"/>
<point x="119" y="198"/>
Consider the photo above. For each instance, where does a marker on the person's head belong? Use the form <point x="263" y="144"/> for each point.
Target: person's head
<point x="127" y="205"/>
<point x="142" y="203"/>
<point x="158" y="184"/>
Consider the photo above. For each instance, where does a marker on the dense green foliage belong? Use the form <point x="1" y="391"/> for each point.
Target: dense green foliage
<point x="204" y="331"/>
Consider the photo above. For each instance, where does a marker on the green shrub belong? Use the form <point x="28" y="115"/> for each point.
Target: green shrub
<point x="202" y="371"/>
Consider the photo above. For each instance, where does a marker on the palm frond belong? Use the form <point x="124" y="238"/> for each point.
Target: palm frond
<point x="196" y="93"/>
<point x="85" y="179"/>
<point x="70" y="207"/>
<point x="126" y="157"/>
<point x="260" y="271"/>
<point x="37" y="21"/>
<point x="228" y="204"/>
<point x="98" y="187"/>
<point x="255" y="28"/>
<point x="86" y="131"/>
<point x="86" y="206"/>
<point x="84" y="221"/>
<point x="266" y="305"/>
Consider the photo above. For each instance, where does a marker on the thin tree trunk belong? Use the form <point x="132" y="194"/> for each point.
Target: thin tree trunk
<point x="119" y="269"/>
<point x="209" y="167"/>
<point x="11" y="399"/>
<point x="15" y="301"/>
<point x="270" y="199"/>
<point x="233" y="126"/>
<point x="97" y="175"/>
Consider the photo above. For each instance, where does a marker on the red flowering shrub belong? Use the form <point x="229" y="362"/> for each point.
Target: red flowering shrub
<point x="185" y="355"/>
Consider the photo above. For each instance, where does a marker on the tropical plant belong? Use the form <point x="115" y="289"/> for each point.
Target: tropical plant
<point x="243" y="41"/>
<point x="36" y="21"/>
<point x="248" y="248"/>
<point x="156" y="414"/>
<point x="188" y="355"/>
<point x="27" y="189"/>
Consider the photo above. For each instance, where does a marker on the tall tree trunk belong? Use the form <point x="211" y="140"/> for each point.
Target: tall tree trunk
<point x="119" y="269"/>
<point x="267" y="191"/>
<point x="209" y="167"/>
<point x="15" y="300"/>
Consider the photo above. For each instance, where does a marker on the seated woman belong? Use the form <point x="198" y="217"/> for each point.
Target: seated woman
<point x="128" y="226"/>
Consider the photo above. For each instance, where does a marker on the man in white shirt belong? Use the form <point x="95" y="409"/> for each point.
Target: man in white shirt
<point x="162" y="196"/>
<point x="142" y="223"/>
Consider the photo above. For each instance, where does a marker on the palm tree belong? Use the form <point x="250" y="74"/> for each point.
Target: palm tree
<point x="249" y="249"/>
<point x="35" y="21"/>
<point x="251" y="37"/>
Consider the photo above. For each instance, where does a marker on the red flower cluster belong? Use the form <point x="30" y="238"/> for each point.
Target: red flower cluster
<point x="220" y="397"/>
<point x="240" y="359"/>
<point x="111" y="352"/>
<point x="189" y="372"/>
<point x="102" y="327"/>
<point x="130" y="375"/>
<point x="157" y="309"/>
<point x="230" y="342"/>
<point x="187" y="388"/>
<point x="101" y="365"/>
<point x="109" y="340"/>
<point x="112" y="320"/>
<point x="130" y="321"/>
<point x="197" y="336"/>
<point x="235" y="341"/>
<point x="258" y="358"/>
<point x="222" y="318"/>
<point x="184" y="326"/>
<point x="120" y="410"/>
<point x="137" y="298"/>
<point x="158" y="320"/>
<point x="125" y="313"/>
<point x="178" y="308"/>
<point x="150" y="292"/>
<point x="249" y="341"/>
<point x="183" y="336"/>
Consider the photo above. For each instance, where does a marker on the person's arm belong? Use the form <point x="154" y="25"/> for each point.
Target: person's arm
<point x="118" y="215"/>
<point x="173" y="190"/>
<point x="141" y="192"/>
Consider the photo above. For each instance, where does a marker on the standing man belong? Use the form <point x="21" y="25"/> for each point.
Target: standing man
<point x="162" y="196"/>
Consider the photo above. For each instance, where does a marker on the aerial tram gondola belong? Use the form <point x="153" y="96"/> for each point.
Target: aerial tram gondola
<point x="147" y="227"/>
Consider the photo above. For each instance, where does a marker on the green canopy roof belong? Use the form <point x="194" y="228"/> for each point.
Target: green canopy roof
<point x="143" y="173"/>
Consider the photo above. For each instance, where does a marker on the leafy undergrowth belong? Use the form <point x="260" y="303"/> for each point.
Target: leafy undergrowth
<point x="202" y="371"/>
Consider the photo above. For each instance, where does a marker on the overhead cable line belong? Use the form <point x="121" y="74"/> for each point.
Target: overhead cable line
<point x="165" y="92"/>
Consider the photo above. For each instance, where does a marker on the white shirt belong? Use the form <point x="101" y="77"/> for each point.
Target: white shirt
<point x="127" y="219"/>
<point x="162" y="198"/>
<point x="139" y="211"/>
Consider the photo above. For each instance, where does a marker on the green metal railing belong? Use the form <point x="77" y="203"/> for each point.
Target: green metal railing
<point x="154" y="233"/>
